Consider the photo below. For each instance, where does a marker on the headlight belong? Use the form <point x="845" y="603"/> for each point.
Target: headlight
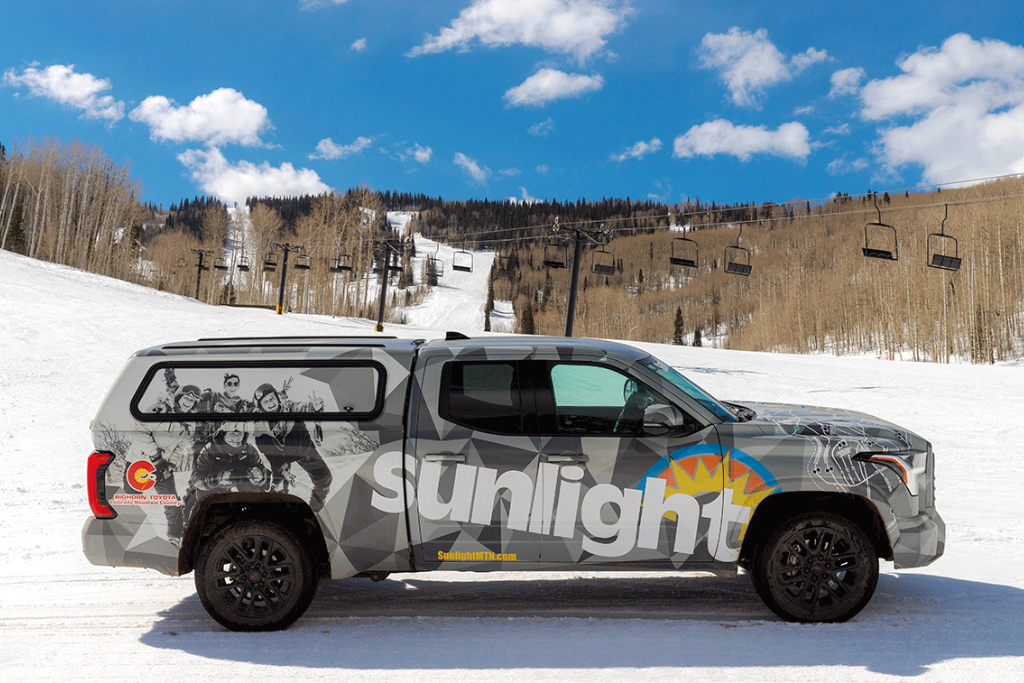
<point x="911" y="466"/>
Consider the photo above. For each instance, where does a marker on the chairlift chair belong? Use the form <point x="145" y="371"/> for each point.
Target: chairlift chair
<point x="937" y="254"/>
<point x="435" y="261"/>
<point x="504" y="268"/>
<point x="604" y="262"/>
<point x="737" y="259"/>
<point x="180" y="263"/>
<point x="243" y="265"/>
<point x="685" y="252"/>
<point x="733" y="264"/>
<point x="340" y="265"/>
<point x="462" y="261"/>
<point x="269" y="262"/>
<point x="220" y="264"/>
<point x="555" y="255"/>
<point x="882" y="246"/>
<point x="302" y="262"/>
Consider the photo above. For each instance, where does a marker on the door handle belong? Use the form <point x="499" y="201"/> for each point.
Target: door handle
<point x="565" y="456"/>
<point x="445" y="457"/>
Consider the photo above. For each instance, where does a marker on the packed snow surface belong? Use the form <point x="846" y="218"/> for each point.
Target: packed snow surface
<point x="65" y="334"/>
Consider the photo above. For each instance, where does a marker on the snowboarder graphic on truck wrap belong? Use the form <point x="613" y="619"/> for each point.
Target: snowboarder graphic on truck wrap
<point x="285" y="441"/>
<point x="169" y="447"/>
<point x="227" y="463"/>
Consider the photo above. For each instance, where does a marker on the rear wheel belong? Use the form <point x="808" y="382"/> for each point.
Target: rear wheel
<point x="255" y="575"/>
<point x="816" y="567"/>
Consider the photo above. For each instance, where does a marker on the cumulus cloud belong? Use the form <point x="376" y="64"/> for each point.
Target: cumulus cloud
<point x="548" y="85"/>
<point x="575" y="27"/>
<point x="638" y="151"/>
<point x="222" y="117"/>
<point x="358" y="45"/>
<point x="234" y="183"/>
<point x="542" y="129"/>
<point x="749" y="63"/>
<point x="965" y="101"/>
<point x="60" y="83"/>
<point x="420" y="153"/>
<point x="478" y="173"/>
<point x="328" y="149"/>
<point x="846" y="81"/>
<point x="790" y="140"/>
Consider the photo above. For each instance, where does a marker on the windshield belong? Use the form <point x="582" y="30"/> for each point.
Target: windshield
<point x="689" y="388"/>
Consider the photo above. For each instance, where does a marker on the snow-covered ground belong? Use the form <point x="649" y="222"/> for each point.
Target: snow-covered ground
<point x="64" y="334"/>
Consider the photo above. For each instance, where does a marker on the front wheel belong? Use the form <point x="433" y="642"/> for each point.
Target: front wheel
<point x="816" y="567"/>
<point x="255" y="575"/>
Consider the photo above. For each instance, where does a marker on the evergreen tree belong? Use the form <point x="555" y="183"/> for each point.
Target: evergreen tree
<point x="16" y="240"/>
<point x="677" y="334"/>
<point x="696" y="338"/>
<point x="527" y="324"/>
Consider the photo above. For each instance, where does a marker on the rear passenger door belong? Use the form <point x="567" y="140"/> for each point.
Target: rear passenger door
<point x="476" y="461"/>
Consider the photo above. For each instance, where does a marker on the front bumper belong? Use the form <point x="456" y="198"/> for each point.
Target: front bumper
<point x="922" y="540"/>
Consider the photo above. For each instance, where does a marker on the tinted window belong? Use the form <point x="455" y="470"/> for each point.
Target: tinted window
<point x="484" y="396"/>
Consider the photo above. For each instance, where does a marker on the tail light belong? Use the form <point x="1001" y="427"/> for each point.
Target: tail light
<point x="96" y="477"/>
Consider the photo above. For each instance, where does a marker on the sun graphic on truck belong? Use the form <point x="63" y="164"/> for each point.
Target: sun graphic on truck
<point x="703" y="469"/>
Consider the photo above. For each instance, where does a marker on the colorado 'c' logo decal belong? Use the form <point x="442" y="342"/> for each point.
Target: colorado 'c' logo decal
<point x="140" y="476"/>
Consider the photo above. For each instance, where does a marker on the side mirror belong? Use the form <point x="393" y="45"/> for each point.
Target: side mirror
<point x="660" y="419"/>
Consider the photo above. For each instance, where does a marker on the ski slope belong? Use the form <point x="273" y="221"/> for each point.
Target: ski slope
<point x="64" y="335"/>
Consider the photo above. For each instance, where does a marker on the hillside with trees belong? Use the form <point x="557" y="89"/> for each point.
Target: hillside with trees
<point x="810" y="289"/>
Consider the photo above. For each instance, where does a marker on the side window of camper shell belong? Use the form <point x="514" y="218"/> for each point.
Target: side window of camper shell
<point x="197" y="390"/>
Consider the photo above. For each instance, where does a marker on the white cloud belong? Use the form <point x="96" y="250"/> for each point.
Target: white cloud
<point x="790" y="140"/>
<point x="965" y="101"/>
<point x="543" y="169"/>
<point x="317" y="4"/>
<point x="222" y="117"/>
<point x="509" y="172"/>
<point x="841" y="129"/>
<point x="749" y="63"/>
<point x="846" y="81"/>
<point x="420" y="153"/>
<point x="548" y="85"/>
<point x="576" y="27"/>
<point x="524" y="198"/>
<point x="234" y="183"/>
<point x="358" y="45"/>
<point x="478" y="173"/>
<point x="845" y="164"/>
<point x="542" y="129"/>
<point x="60" y="83"/>
<point x="639" y="150"/>
<point x="328" y="149"/>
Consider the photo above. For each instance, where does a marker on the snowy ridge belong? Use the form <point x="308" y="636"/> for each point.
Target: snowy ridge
<point x="66" y="333"/>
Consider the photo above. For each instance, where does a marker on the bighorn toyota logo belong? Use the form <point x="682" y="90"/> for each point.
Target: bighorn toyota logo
<point x="140" y="475"/>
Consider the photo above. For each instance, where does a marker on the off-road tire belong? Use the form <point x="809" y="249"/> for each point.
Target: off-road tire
<point x="255" y="575"/>
<point x="816" y="567"/>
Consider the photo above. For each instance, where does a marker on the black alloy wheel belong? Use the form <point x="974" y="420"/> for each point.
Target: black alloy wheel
<point x="816" y="567"/>
<point x="255" y="575"/>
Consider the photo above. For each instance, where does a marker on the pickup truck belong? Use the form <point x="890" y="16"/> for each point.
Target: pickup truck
<point x="266" y="464"/>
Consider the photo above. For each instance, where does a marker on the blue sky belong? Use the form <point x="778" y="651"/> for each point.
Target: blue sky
<point x="545" y="99"/>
